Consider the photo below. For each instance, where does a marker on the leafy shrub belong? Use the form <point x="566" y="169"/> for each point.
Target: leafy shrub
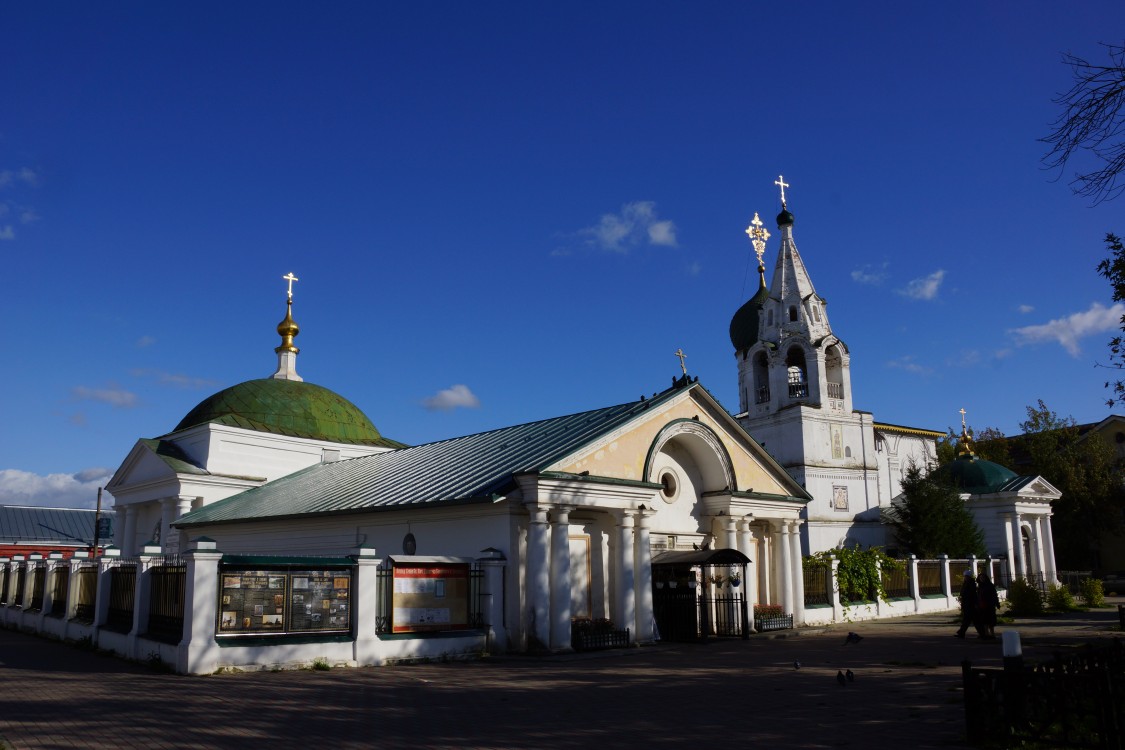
<point x="858" y="576"/>
<point x="1024" y="599"/>
<point x="321" y="664"/>
<point x="1059" y="598"/>
<point x="767" y="610"/>
<point x="1092" y="592"/>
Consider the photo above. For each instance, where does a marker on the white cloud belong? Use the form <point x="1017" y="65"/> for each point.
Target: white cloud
<point x="694" y="268"/>
<point x="908" y="364"/>
<point x="80" y="490"/>
<point x="869" y="274"/>
<point x="176" y="379"/>
<point x="452" y="398"/>
<point x="1025" y="309"/>
<point x="29" y="176"/>
<point x="29" y="216"/>
<point x="7" y="177"/>
<point x="636" y="224"/>
<point x="115" y="397"/>
<point x="925" y="288"/>
<point x="1066" y="331"/>
<point x="144" y="341"/>
<point x="7" y="233"/>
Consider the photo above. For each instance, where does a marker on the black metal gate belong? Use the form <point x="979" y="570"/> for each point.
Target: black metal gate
<point x="698" y="594"/>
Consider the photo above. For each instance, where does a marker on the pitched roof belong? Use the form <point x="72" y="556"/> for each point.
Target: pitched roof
<point x="20" y="523"/>
<point x="459" y="470"/>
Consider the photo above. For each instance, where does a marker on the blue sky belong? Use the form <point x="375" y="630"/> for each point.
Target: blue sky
<point x="502" y="212"/>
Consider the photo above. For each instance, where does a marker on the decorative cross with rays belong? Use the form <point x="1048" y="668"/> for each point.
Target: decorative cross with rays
<point x="758" y="236"/>
<point x="290" y="278"/>
<point x="682" y="356"/>
<point x="780" y="182"/>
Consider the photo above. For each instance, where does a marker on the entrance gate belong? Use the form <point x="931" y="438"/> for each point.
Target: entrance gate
<point x="698" y="594"/>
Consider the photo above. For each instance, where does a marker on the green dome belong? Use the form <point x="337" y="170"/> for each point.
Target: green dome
<point x="977" y="476"/>
<point x="744" y="324"/>
<point x="784" y="218"/>
<point x="287" y="407"/>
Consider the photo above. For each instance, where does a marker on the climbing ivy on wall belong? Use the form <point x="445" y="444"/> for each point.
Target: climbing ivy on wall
<point x="858" y="578"/>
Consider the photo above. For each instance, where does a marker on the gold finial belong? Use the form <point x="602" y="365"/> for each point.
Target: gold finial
<point x="682" y="356"/>
<point x="965" y="444"/>
<point x="780" y="182"/>
<point x="288" y="328"/>
<point x="758" y="235"/>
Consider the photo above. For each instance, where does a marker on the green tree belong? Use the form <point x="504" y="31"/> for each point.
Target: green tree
<point x="1085" y="469"/>
<point x="1113" y="268"/>
<point x="930" y="519"/>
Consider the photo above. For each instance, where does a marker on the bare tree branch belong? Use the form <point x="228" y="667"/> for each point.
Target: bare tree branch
<point x="1093" y="120"/>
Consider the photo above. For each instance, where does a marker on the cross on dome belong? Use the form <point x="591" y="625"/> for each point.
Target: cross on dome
<point x="780" y="182"/>
<point x="290" y="278"/>
<point x="758" y="236"/>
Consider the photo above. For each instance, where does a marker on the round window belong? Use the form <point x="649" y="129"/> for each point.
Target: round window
<point x="671" y="486"/>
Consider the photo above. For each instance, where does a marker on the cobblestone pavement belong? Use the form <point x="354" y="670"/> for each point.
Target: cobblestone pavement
<point x="906" y="694"/>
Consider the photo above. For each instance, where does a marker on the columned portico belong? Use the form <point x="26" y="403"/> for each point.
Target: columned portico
<point x="796" y="566"/>
<point x="625" y="609"/>
<point x="538" y="575"/>
<point x="642" y="572"/>
<point x="560" y="578"/>
<point x="1049" y="539"/>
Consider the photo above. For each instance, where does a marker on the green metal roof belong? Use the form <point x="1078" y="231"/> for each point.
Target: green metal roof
<point x="979" y="477"/>
<point x="171" y="454"/>
<point x="744" y="325"/>
<point x="474" y="468"/>
<point x="67" y="526"/>
<point x="288" y="407"/>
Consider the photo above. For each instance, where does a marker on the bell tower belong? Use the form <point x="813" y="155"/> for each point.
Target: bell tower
<point x="795" y="396"/>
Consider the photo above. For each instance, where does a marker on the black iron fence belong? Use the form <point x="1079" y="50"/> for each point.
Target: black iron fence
<point x="59" y="587"/>
<point x="896" y="582"/>
<point x="818" y="585"/>
<point x="166" y="600"/>
<point x="6" y="585"/>
<point x="122" y="592"/>
<point x="384" y="600"/>
<point x="21" y="584"/>
<point x="1077" y="701"/>
<point x="1073" y="579"/>
<point x="38" y="588"/>
<point x="476" y="608"/>
<point x="929" y="578"/>
<point x="85" y="589"/>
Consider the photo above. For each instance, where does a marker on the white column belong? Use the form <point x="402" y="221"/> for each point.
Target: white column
<point x="129" y="537"/>
<point x="537" y="584"/>
<point x="494" y="569"/>
<point x="1013" y="568"/>
<point x="168" y="507"/>
<point x="765" y="565"/>
<point x="642" y="574"/>
<point x="915" y="589"/>
<point x="1052" y="569"/>
<point x="747" y="547"/>
<point x="1040" y="556"/>
<point x="365" y="648"/>
<point x="623" y="578"/>
<point x="1017" y="540"/>
<point x="798" y="573"/>
<point x="730" y="531"/>
<point x="560" y="579"/>
<point x="785" y="567"/>
<point x="198" y="652"/>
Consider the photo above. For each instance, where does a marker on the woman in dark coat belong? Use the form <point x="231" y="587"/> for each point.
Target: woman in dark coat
<point x="968" y="603"/>
<point x="988" y="601"/>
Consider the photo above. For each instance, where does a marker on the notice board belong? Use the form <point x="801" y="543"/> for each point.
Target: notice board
<point x="267" y="601"/>
<point x="430" y="597"/>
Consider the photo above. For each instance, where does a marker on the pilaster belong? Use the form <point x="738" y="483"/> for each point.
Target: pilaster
<point x="198" y="652"/>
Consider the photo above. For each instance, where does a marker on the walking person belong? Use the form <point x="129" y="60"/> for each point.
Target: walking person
<point x="988" y="601"/>
<point x="968" y="603"/>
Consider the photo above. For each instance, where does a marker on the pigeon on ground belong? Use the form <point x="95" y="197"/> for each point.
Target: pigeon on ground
<point x="853" y="638"/>
<point x="841" y="679"/>
<point x="850" y="675"/>
<point x="796" y="665"/>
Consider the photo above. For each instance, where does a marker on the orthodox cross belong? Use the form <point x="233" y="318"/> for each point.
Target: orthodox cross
<point x="758" y="236"/>
<point x="290" y="278"/>
<point x="780" y="181"/>
<point x="682" y="356"/>
<point x="962" y="419"/>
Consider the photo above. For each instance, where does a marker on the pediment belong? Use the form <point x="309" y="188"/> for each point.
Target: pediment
<point x="707" y="435"/>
